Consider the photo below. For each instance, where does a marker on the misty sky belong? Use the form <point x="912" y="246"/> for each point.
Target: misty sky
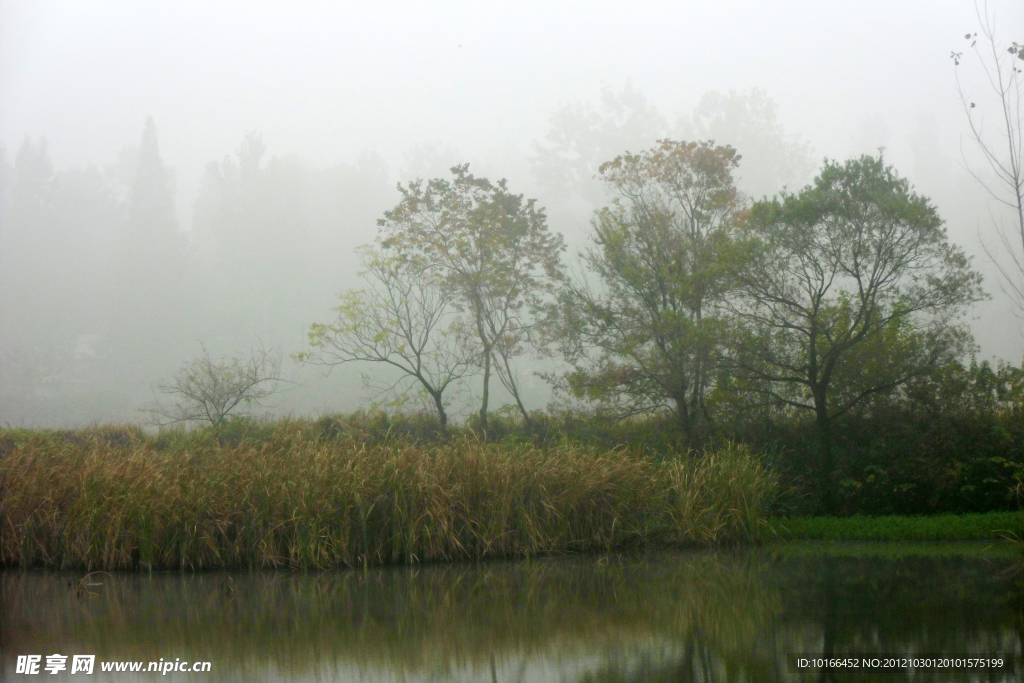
<point x="330" y="82"/>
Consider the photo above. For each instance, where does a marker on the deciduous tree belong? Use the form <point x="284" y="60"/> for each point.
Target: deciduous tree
<point x="646" y="338"/>
<point x="496" y="254"/>
<point x="405" y="319"/>
<point x="853" y="289"/>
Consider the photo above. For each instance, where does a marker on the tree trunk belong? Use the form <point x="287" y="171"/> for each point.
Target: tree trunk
<point x="683" y="416"/>
<point x="513" y="388"/>
<point x="441" y="414"/>
<point x="700" y="419"/>
<point x="824" y="437"/>
<point x="522" y="409"/>
<point x="487" y="382"/>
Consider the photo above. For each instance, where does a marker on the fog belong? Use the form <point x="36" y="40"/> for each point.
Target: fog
<point x="180" y="175"/>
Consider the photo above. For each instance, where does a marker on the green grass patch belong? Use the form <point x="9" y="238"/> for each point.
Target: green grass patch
<point x="968" y="527"/>
<point x="997" y="548"/>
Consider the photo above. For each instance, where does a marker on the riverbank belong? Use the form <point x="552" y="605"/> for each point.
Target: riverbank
<point x="109" y="498"/>
<point x="967" y="527"/>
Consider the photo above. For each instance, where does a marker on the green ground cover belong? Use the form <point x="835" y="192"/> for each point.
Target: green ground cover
<point x="967" y="527"/>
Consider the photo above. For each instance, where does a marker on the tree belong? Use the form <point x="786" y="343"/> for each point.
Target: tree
<point x="56" y="234"/>
<point x="852" y="290"/>
<point x="665" y="256"/>
<point x="151" y="195"/>
<point x="208" y="390"/>
<point x="772" y="159"/>
<point x="405" y="319"/>
<point x="581" y="137"/>
<point x="497" y="255"/>
<point x="1003" y="65"/>
<point x="148" y="278"/>
<point x="154" y="246"/>
<point x="269" y="230"/>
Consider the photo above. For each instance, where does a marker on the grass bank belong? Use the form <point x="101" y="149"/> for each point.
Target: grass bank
<point x="967" y="527"/>
<point x="115" y="498"/>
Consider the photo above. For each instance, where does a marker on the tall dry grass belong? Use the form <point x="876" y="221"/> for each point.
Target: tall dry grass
<point x="109" y="499"/>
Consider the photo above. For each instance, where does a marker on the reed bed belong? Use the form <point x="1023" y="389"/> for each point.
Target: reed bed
<point x="93" y="501"/>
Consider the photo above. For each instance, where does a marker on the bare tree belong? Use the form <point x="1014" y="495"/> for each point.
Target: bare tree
<point x="209" y="390"/>
<point x="404" y="319"/>
<point x="1004" y="152"/>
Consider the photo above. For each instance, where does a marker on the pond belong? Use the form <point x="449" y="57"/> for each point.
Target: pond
<point x="726" y="615"/>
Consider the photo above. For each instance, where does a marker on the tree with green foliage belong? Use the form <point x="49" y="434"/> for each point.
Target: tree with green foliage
<point x="647" y="337"/>
<point x="852" y="289"/>
<point x="404" y="319"/>
<point x="494" y="251"/>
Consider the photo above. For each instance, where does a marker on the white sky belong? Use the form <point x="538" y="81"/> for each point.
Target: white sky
<point x="329" y="80"/>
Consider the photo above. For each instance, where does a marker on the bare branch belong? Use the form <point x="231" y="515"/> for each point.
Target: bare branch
<point x="406" y="319"/>
<point x="1003" y="65"/>
<point x="210" y="390"/>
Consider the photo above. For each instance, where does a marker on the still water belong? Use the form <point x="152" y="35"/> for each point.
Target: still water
<point x="730" y="615"/>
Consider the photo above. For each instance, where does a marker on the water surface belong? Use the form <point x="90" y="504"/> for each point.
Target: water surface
<point x="673" y="616"/>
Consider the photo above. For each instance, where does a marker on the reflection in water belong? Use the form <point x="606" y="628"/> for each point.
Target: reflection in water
<point x="664" y="617"/>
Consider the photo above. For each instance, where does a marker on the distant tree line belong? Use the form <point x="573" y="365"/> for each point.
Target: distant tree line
<point x="103" y="293"/>
<point x="108" y="282"/>
<point x="93" y="263"/>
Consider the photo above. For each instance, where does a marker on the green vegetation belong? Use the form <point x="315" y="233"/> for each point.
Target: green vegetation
<point x="797" y="325"/>
<point x="853" y="290"/>
<point x="297" y="495"/>
<point x="458" y="282"/>
<point x="898" y="550"/>
<point x="821" y="328"/>
<point x="665" y="252"/>
<point x="969" y="527"/>
<point x="950" y="442"/>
